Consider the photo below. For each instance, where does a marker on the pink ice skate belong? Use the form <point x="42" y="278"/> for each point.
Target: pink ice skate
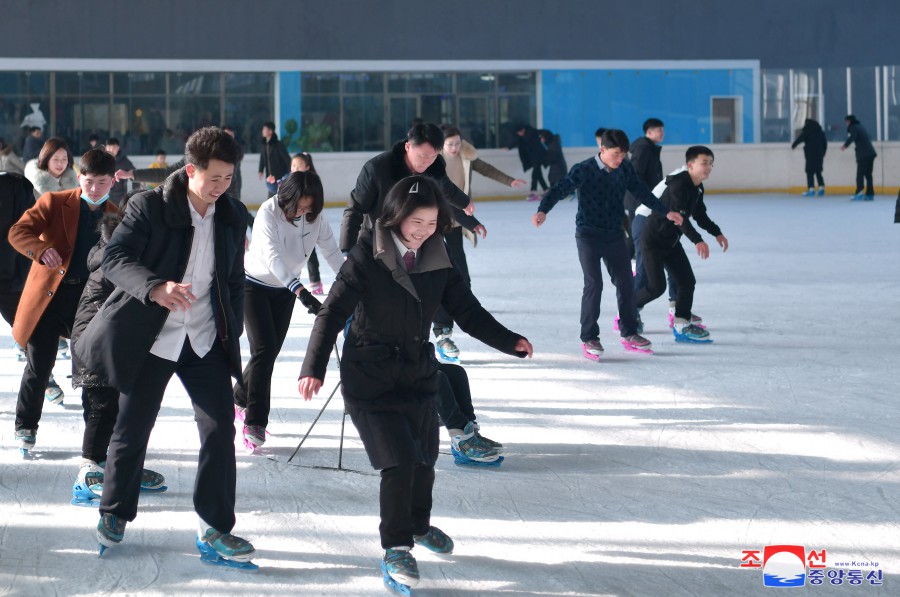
<point x="637" y="343"/>
<point x="695" y="320"/>
<point x="240" y="413"/>
<point x="592" y="350"/>
<point x="316" y="288"/>
<point x="616" y="323"/>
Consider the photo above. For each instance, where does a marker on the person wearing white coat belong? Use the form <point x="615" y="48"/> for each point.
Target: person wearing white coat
<point x="287" y="228"/>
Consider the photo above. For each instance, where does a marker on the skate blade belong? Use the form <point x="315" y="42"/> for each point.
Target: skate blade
<point x="86" y="502"/>
<point x="159" y="489"/>
<point x="84" y="496"/>
<point x="631" y="348"/>
<point x="693" y="340"/>
<point x="447" y="360"/>
<point x="463" y="460"/>
<point x="590" y="356"/>
<point x="102" y="549"/>
<point x="393" y="585"/>
<point x="210" y="556"/>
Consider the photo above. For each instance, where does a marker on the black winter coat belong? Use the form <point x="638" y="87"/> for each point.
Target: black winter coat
<point x="151" y="246"/>
<point x="388" y="360"/>
<point x="376" y="178"/>
<point x="531" y="150"/>
<point x="682" y="196"/>
<point x="647" y="165"/>
<point x="16" y="197"/>
<point x="859" y="136"/>
<point x="274" y="159"/>
<point x="814" y="145"/>
<point x="555" y="160"/>
<point x="95" y="292"/>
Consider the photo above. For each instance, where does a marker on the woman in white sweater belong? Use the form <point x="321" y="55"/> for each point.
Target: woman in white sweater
<point x="286" y="229"/>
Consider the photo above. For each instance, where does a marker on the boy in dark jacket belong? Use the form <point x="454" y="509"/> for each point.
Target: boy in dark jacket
<point x="177" y="262"/>
<point x="274" y="161"/>
<point x="661" y="242"/>
<point x="645" y="152"/>
<point x="814" y="147"/>
<point x="865" y="157"/>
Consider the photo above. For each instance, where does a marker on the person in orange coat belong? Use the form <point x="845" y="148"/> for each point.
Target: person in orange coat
<point x="56" y="233"/>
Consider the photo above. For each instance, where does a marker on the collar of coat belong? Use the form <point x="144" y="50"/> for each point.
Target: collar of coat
<point x="175" y="201"/>
<point x="431" y="256"/>
<point x="437" y="170"/>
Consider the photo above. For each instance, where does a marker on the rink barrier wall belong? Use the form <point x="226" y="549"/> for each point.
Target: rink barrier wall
<point x="739" y="168"/>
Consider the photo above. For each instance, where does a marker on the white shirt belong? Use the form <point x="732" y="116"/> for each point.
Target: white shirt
<point x="197" y="323"/>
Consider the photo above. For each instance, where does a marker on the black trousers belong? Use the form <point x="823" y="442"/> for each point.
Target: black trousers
<point x="101" y="406"/>
<point x="591" y="251"/>
<point x="405" y="503"/>
<point x="454" y="401"/>
<point x="9" y="302"/>
<point x="208" y="384"/>
<point x="864" y="171"/>
<point x="56" y="321"/>
<point x="537" y="178"/>
<point x="312" y="267"/>
<point x="267" y="317"/>
<point x="812" y="176"/>
<point x="453" y="240"/>
<point x="657" y="261"/>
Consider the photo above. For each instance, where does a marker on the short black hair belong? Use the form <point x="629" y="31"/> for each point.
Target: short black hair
<point x="112" y="141"/>
<point x="695" y="151"/>
<point x="599" y="132"/>
<point x="34" y="129"/>
<point x="426" y="132"/>
<point x="653" y="123"/>
<point x="94" y="137"/>
<point x="98" y="162"/>
<point x="297" y="186"/>
<point x="451" y="130"/>
<point x="269" y="125"/>
<point x="410" y="194"/>
<point x="614" y="138"/>
<point x="304" y="155"/>
<point x="160" y="152"/>
<point x="211" y="143"/>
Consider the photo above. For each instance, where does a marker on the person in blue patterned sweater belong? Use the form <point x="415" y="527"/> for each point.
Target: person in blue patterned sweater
<point x="601" y="182"/>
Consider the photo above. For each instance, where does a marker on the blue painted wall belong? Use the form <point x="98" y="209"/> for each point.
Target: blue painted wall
<point x="576" y="102"/>
<point x="289" y="102"/>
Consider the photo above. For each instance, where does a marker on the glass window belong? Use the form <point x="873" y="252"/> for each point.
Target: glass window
<point x="776" y="123"/>
<point x="834" y="100"/>
<point x="514" y="109"/>
<point x="516" y="82"/>
<point x="76" y="118"/>
<point x="363" y="123"/>
<point x="187" y="114"/>
<point x="249" y="83"/>
<point x="806" y="99"/>
<point x="320" y="128"/>
<point x="420" y="83"/>
<point x="477" y="122"/>
<point x="864" y="98"/>
<point x="68" y="83"/>
<point x="246" y="114"/>
<point x="475" y="82"/>
<point x="141" y="83"/>
<point x="362" y="83"/>
<point x="13" y="83"/>
<point x="38" y="84"/>
<point x="320" y="83"/>
<point x="893" y="102"/>
<point x="194" y="83"/>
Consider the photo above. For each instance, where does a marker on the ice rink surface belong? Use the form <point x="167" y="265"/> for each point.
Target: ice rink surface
<point x="638" y="475"/>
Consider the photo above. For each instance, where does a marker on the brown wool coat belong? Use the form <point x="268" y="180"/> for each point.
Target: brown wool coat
<point x="51" y="222"/>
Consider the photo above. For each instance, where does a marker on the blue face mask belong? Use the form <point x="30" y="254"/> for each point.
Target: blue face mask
<point x="99" y="201"/>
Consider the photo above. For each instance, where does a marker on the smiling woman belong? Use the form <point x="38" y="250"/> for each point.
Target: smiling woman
<point x="52" y="170"/>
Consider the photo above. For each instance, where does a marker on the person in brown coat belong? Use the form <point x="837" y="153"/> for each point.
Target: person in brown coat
<point x="56" y="233"/>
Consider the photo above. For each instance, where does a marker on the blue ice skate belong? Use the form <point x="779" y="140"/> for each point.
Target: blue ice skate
<point x="400" y="571"/>
<point x="25" y="438"/>
<point x="225" y="549"/>
<point x="445" y="347"/>
<point x="688" y="332"/>
<point x="110" y="531"/>
<point x="88" y="485"/>
<point x="470" y="450"/>
<point x="462" y="460"/>
<point x="810" y="193"/>
<point x="62" y="350"/>
<point x="435" y="540"/>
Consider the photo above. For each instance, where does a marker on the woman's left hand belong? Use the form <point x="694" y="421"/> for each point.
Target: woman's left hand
<point x="525" y="346"/>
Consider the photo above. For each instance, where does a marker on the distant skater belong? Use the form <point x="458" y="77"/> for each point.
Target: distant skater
<point x="858" y="136"/>
<point x="814" y="147"/>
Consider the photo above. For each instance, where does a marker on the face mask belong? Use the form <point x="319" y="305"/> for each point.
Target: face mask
<point x="99" y="201"/>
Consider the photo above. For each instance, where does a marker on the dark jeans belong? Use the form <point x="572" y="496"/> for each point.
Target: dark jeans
<point x="537" y="178"/>
<point x="208" y="384"/>
<point x="56" y="321"/>
<point x="9" y="302"/>
<point x="272" y="188"/>
<point x="101" y="406"/>
<point x="640" y="277"/>
<point x="267" y="317"/>
<point x="658" y="260"/>
<point x="864" y="171"/>
<point x="591" y="250"/>
<point x="405" y="503"/>
<point x="811" y="176"/>
<point x="454" y="401"/>
<point x="312" y="267"/>
<point x="453" y="240"/>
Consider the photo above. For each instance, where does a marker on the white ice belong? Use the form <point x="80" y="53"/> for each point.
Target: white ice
<point x="638" y="475"/>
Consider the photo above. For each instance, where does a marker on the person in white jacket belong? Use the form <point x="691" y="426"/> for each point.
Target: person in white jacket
<point x="287" y="228"/>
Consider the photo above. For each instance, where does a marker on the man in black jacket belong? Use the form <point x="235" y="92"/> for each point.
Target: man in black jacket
<point x="274" y="161"/>
<point x="420" y="153"/>
<point x="865" y="157"/>
<point x="645" y="153"/>
<point x="16" y="196"/>
<point x="177" y="261"/>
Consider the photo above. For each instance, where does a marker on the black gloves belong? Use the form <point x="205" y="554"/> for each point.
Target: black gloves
<point x="311" y="303"/>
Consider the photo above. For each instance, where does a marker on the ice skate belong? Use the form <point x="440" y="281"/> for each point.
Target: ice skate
<point x="695" y="319"/>
<point x="436" y="540"/>
<point x="469" y="450"/>
<point x="62" y="349"/>
<point x="25" y="438"/>
<point x="810" y="193"/>
<point x="445" y="347"/>
<point x="637" y="343"/>
<point x="240" y="413"/>
<point x="688" y="332"/>
<point x="20" y="354"/>
<point x="110" y="531"/>
<point x="533" y="196"/>
<point x="254" y="437"/>
<point x="592" y="349"/>
<point x="53" y="394"/>
<point x="152" y="482"/>
<point x="225" y="549"/>
<point x="400" y="570"/>
<point x="858" y="197"/>
<point x="88" y="485"/>
<point x="821" y="192"/>
<point x="869" y="198"/>
<point x="495" y="445"/>
<point x="316" y="288"/>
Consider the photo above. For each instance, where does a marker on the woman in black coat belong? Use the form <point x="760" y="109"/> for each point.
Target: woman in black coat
<point x="392" y="283"/>
<point x="814" y="147"/>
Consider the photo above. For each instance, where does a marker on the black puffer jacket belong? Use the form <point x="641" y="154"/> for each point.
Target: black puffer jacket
<point x="95" y="292"/>
<point x="151" y="246"/>
<point x="388" y="359"/>
<point x="814" y="145"/>
<point x="859" y="137"/>
<point x="377" y="177"/>
<point x="647" y="165"/>
<point x="16" y="197"/>
<point x="682" y="196"/>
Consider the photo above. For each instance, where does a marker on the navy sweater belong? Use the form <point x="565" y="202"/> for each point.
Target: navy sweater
<point x="601" y="197"/>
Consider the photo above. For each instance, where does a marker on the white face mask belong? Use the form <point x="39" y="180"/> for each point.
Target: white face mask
<point x="99" y="201"/>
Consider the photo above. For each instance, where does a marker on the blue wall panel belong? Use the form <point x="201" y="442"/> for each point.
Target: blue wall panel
<point x="576" y="102"/>
<point x="289" y="98"/>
